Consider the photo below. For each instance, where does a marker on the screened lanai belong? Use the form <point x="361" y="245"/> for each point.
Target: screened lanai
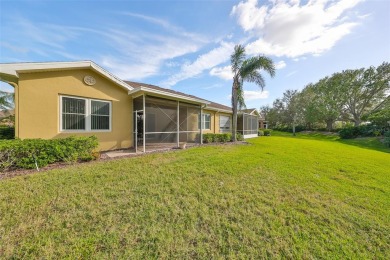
<point x="248" y="125"/>
<point x="163" y="123"/>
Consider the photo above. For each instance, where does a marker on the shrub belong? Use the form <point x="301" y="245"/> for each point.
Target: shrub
<point x="363" y="130"/>
<point x="31" y="152"/>
<point x="260" y="133"/>
<point x="216" y="138"/>
<point x="386" y="140"/>
<point x="348" y="133"/>
<point x="208" y="138"/>
<point x="267" y="132"/>
<point x="226" y="137"/>
<point x="7" y="132"/>
<point x="239" y="137"/>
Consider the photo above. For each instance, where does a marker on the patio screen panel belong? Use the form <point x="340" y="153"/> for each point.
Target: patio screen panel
<point x="160" y="121"/>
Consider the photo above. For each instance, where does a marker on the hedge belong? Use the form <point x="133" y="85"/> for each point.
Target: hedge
<point x="29" y="153"/>
<point x="7" y="132"/>
<point x="217" y="138"/>
<point x="361" y="131"/>
<point x="386" y="139"/>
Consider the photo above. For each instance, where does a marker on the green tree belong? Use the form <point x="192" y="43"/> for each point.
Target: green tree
<point x="381" y="114"/>
<point x="366" y="89"/>
<point x="292" y="108"/>
<point x="308" y="107"/>
<point x="246" y="69"/>
<point x="329" y="98"/>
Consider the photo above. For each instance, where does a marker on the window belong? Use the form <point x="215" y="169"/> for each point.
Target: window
<point x="206" y="121"/>
<point x="73" y="113"/>
<point x="100" y="115"/>
<point x="224" y="124"/>
<point x="81" y="114"/>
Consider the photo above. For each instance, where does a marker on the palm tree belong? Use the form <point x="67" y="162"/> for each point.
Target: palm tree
<point x="246" y="69"/>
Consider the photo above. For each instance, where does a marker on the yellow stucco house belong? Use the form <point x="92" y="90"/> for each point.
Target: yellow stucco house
<point x="58" y="99"/>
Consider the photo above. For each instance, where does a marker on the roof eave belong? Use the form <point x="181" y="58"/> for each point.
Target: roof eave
<point x="219" y="110"/>
<point x="16" y="68"/>
<point x="167" y="94"/>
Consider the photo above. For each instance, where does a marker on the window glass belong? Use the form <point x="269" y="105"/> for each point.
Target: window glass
<point x="224" y="124"/>
<point x="85" y="114"/>
<point x="73" y="113"/>
<point x="206" y="121"/>
<point x="100" y="115"/>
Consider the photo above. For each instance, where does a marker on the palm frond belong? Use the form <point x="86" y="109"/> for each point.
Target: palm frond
<point x="257" y="78"/>
<point x="257" y="63"/>
<point x="237" y="58"/>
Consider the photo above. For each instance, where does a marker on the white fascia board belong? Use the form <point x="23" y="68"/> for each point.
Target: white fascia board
<point x="14" y="69"/>
<point x="171" y="95"/>
<point x="219" y="110"/>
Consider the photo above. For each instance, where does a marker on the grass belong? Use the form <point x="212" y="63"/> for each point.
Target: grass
<point x="278" y="197"/>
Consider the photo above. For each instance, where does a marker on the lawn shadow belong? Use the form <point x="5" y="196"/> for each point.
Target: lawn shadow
<point x="372" y="143"/>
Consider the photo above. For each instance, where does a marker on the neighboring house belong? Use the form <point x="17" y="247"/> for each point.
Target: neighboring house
<point x="58" y="99"/>
<point x="263" y="123"/>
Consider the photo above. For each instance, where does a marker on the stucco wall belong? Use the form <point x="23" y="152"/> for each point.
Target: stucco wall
<point x="38" y="104"/>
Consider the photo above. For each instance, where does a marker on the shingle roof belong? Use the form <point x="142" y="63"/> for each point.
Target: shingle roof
<point x="211" y="105"/>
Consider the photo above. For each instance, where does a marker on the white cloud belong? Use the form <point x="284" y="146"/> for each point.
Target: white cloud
<point x="289" y="28"/>
<point x="222" y="72"/>
<point x="253" y="95"/>
<point x="127" y="53"/>
<point x="280" y="65"/>
<point x="205" y="61"/>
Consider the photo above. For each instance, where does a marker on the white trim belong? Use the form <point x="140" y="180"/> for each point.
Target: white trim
<point x="219" y="110"/>
<point x="165" y="93"/>
<point x="13" y="69"/>
<point x="250" y="136"/>
<point x="202" y="123"/>
<point x="87" y="116"/>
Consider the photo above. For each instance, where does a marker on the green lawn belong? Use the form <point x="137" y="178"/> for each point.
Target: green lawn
<point x="280" y="196"/>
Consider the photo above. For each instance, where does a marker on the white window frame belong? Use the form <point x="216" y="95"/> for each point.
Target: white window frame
<point x="87" y="116"/>
<point x="203" y="121"/>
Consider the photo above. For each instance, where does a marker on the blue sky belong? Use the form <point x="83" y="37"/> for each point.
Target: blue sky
<point x="186" y="45"/>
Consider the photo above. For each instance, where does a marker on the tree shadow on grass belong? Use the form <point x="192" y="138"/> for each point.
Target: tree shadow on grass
<point x="372" y="143"/>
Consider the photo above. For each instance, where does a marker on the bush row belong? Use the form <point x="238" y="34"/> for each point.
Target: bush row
<point x="265" y="132"/>
<point x="30" y="153"/>
<point x="217" y="138"/>
<point x="220" y="138"/>
<point x="7" y="132"/>
<point x="361" y="131"/>
<point x="386" y="140"/>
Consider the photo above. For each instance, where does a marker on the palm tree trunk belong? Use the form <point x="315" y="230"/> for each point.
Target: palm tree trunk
<point x="234" y="105"/>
